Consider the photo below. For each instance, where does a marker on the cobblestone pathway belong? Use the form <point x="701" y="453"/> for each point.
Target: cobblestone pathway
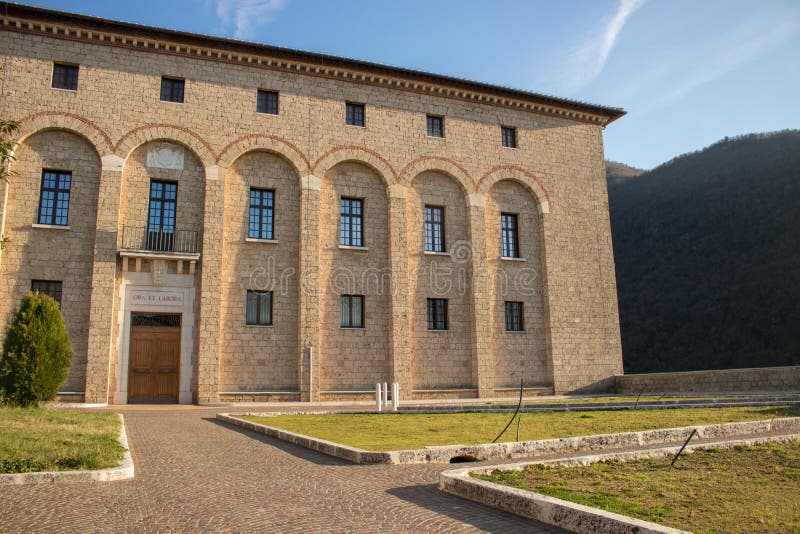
<point x="195" y="474"/>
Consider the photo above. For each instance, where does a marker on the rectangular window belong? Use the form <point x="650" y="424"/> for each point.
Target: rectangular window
<point x="161" y="215"/>
<point x="65" y="76"/>
<point x="435" y="126"/>
<point x="515" y="317"/>
<point x="434" y="229"/>
<point x="172" y="89"/>
<point x="354" y="114"/>
<point x="259" y="308"/>
<point x="437" y="314"/>
<point x="352" y="311"/>
<point x="509" y="137"/>
<point x="51" y="288"/>
<point x="351" y="220"/>
<point x="267" y="102"/>
<point x="262" y="205"/>
<point x="54" y="199"/>
<point x="508" y="225"/>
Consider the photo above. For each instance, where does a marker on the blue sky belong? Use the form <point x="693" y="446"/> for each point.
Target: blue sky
<point x="688" y="72"/>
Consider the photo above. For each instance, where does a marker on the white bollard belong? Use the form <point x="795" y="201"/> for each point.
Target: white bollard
<point x="378" y="397"/>
<point x="385" y="395"/>
<point x="395" y="396"/>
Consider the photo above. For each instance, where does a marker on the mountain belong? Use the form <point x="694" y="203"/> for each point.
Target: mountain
<point x="617" y="173"/>
<point x="707" y="251"/>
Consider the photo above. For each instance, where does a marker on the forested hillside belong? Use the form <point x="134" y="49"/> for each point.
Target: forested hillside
<point x="707" y="250"/>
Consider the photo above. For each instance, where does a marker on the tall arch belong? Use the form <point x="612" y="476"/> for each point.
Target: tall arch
<point x="512" y="172"/>
<point x="59" y="120"/>
<point x="166" y="132"/>
<point x="356" y="154"/>
<point x="268" y="143"/>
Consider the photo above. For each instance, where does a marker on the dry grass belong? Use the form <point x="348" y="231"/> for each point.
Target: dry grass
<point x="47" y="439"/>
<point x="742" y="489"/>
<point x="390" y="431"/>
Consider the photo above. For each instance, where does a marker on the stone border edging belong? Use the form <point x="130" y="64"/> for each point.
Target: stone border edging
<point x="511" y="449"/>
<point x="565" y="514"/>
<point x="121" y="472"/>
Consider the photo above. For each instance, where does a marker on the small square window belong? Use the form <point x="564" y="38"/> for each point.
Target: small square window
<point x="172" y="89"/>
<point x="434" y="228"/>
<point x="51" y="288"/>
<point x="65" y="76"/>
<point x="435" y="126"/>
<point x="54" y="198"/>
<point x="354" y="114"/>
<point x="515" y="317"/>
<point x="267" y="102"/>
<point x="351" y="222"/>
<point x="259" y="308"/>
<point x="352" y="311"/>
<point x="509" y="137"/>
<point x="437" y="314"/>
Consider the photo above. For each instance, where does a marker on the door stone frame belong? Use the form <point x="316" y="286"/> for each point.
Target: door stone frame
<point x="172" y="284"/>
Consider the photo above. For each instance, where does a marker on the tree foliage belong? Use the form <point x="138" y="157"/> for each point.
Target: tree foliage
<point x="36" y="353"/>
<point x="707" y="253"/>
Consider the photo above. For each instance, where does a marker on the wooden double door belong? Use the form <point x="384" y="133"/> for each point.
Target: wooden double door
<point x="154" y="358"/>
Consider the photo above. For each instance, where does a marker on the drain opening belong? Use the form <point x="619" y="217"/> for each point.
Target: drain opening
<point x="462" y="459"/>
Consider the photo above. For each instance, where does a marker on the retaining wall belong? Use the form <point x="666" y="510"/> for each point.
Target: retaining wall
<point x="763" y="379"/>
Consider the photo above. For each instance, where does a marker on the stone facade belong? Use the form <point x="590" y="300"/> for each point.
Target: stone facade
<point x="115" y="135"/>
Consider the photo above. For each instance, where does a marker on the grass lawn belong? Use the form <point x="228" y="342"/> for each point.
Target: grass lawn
<point x="47" y="439"/>
<point x="390" y="431"/>
<point x="742" y="489"/>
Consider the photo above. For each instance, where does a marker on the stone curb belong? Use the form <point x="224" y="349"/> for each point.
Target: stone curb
<point x="564" y="514"/>
<point x="508" y="450"/>
<point x="121" y="472"/>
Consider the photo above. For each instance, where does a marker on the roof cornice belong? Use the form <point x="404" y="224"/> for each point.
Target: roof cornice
<point x="69" y="26"/>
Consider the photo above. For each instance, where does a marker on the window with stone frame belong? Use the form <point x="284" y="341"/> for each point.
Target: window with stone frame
<point x="54" y="198"/>
<point x="65" y="76"/>
<point x="515" y="316"/>
<point x="437" y="314"/>
<point x="51" y="288"/>
<point x="352" y="311"/>
<point x="259" y="308"/>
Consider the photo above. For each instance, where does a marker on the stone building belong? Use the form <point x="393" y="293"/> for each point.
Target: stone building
<point x="225" y="221"/>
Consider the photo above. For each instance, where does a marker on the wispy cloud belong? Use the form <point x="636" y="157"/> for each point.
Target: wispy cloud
<point x="246" y="17"/>
<point x="586" y="61"/>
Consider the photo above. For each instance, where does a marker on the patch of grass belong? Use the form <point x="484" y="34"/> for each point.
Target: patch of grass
<point x="47" y="439"/>
<point x="617" y="398"/>
<point x="391" y="431"/>
<point x="741" y="489"/>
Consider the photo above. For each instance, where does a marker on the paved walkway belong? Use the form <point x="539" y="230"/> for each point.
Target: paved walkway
<point x="195" y="474"/>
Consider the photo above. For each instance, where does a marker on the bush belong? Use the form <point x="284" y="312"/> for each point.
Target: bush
<point x="36" y="353"/>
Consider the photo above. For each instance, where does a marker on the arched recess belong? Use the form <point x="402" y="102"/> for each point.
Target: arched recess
<point x="166" y="132"/>
<point x="355" y="154"/>
<point x="266" y="143"/>
<point x="512" y="172"/>
<point x="439" y="164"/>
<point x="260" y="359"/>
<point x="70" y="122"/>
<point x="59" y="248"/>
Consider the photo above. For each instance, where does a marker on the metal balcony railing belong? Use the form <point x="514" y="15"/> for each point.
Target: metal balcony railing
<point x="139" y="238"/>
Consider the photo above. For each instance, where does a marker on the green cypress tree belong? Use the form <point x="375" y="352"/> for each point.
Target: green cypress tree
<point x="36" y="353"/>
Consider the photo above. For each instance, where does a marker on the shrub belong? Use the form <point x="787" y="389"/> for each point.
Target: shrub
<point x="36" y="353"/>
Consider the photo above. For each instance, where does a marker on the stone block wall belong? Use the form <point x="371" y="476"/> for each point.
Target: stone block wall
<point x="764" y="379"/>
<point x="554" y="180"/>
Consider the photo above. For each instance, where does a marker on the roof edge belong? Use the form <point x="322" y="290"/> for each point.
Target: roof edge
<point x="87" y="22"/>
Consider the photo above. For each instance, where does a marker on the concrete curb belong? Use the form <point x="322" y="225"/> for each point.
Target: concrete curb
<point x="564" y="514"/>
<point x="509" y="450"/>
<point x="121" y="472"/>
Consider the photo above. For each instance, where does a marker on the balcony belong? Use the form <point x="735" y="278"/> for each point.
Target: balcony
<point x="140" y="242"/>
